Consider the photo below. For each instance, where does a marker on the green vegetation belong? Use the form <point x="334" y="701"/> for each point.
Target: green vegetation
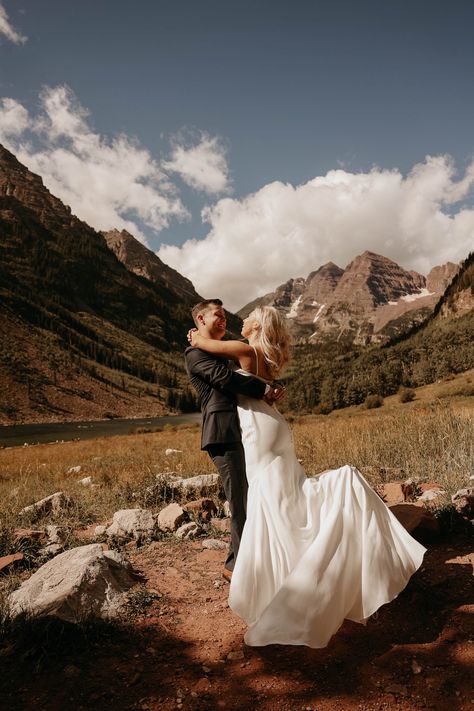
<point x="321" y="378"/>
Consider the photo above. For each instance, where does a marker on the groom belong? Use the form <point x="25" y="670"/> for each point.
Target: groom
<point x="217" y="387"/>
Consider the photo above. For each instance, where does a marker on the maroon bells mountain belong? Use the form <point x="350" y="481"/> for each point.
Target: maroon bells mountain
<point x="370" y="301"/>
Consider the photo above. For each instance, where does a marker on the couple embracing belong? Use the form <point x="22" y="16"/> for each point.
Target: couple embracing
<point x="305" y="552"/>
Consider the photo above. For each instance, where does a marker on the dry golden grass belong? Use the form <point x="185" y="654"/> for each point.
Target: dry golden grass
<point x="429" y="441"/>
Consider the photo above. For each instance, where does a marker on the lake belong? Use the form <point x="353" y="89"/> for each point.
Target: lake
<point x="18" y="435"/>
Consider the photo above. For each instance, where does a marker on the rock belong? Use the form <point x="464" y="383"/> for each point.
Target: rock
<point x="100" y="530"/>
<point x="54" y="503"/>
<point x="51" y="549"/>
<point x="28" y="535"/>
<point x="71" y="671"/>
<point x="214" y="545"/>
<point x="393" y="493"/>
<point x="7" y="560"/>
<point x="221" y="524"/>
<point x="431" y="495"/>
<point x="415" y="667"/>
<point x="87" y="481"/>
<point x="188" y="531"/>
<point x="235" y="656"/>
<point x="74" y="470"/>
<point x="408" y="490"/>
<point x="137" y="523"/>
<point x="394" y="474"/>
<point x="417" y="520"/>
<point x="226" y="509"/>
<point x="169" y="451"/>
<point x="171" y="517"/>
<point x="80" y="582"/>
<point x="396" y="689"/>
<point x="196" y="485"/>
<point x="463" y="501"/>
<point x="202" y="509"/>
<point x="56" y="534"/>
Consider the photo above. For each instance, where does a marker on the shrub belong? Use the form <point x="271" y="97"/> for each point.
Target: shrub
<point x="324" y="408"/>
<point x="372" y="401"/>
<point x="406" y="394"/>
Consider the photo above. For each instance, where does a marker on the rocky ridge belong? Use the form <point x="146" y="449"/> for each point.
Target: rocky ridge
<point x="142" y="261"/>
<point x="83" y="335"/>
<point x="371" y="300"/>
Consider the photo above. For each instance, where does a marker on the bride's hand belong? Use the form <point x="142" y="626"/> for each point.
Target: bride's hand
<point x="275" y="394"/>
<point x="193" y="336"/>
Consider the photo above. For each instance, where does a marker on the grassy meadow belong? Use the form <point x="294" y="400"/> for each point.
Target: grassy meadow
<point x="430" y="439"/>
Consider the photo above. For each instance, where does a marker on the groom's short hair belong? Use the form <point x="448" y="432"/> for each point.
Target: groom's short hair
<point x="203" y="306"/>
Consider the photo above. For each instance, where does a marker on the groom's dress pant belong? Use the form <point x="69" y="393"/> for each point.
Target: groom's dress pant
<point x="229" y="460"/>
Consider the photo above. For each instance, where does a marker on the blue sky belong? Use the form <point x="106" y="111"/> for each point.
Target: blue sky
<point x="300" y="128"/>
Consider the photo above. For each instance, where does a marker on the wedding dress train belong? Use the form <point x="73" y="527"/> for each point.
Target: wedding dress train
<point x="314" y="551"/>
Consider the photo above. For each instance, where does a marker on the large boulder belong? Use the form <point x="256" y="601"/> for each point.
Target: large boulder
<point x="81" y="582"/>
<point x="418" y="521"/>
<point x="135" y="523"/>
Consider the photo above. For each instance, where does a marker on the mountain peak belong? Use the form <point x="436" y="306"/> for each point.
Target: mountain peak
<point x="144" y="262"/>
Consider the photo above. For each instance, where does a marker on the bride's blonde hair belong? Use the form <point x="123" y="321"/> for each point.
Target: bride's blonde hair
<point x="274" y="338"/>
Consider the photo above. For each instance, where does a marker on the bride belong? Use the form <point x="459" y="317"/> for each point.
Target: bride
<point x="314" y="550"/>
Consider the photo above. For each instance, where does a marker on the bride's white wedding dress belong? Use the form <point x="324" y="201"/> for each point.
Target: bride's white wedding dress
<point x="314" y="551"/>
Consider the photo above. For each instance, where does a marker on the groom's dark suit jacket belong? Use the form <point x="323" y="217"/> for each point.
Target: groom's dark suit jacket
<point x="217" y="386"/>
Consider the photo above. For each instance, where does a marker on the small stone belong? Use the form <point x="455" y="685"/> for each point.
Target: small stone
<point x="52" y="549"/>
<point x="86" y="481"/>
<point x="54" y="503"/>
<point x="203" y="508"/>
<point x="396" y="689"/>
<point x="171" y="517"/>
<point x="170" y="450"/>
<point x="206" y="670"/>
<point x="393" y="493"/>
<point x="8" y="560"/>
<point x="463" y="501"/>
<point x="415" y="667"/>
<point x="235" y="656"/>
<point x="431" y="495"/>
<point x="74" y="470"/>
<point x="188" y="531"/>
<point x="132" y="522"/>
<point x="226" y="509"/>
<point x="100" y="530"/>
<point x="71" y="671"/>
<point x="56" y="534"/>
<point x="213" y="544"/>
<point x="221" y="524"/>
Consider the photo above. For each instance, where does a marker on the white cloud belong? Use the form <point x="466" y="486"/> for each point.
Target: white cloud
<point x="202" y="166"/>
<point x="282" y="231"/>
<point x="107" y="182"/>
<point x="14" y="119"/>
<point x="8" y="31"/>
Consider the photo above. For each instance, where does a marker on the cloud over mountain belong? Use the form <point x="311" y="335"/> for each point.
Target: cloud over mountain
<point x="108" y="182"/>
<point x="282" y="231"/>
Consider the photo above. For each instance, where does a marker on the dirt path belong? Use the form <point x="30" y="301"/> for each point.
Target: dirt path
<point x="186" y="651"/>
